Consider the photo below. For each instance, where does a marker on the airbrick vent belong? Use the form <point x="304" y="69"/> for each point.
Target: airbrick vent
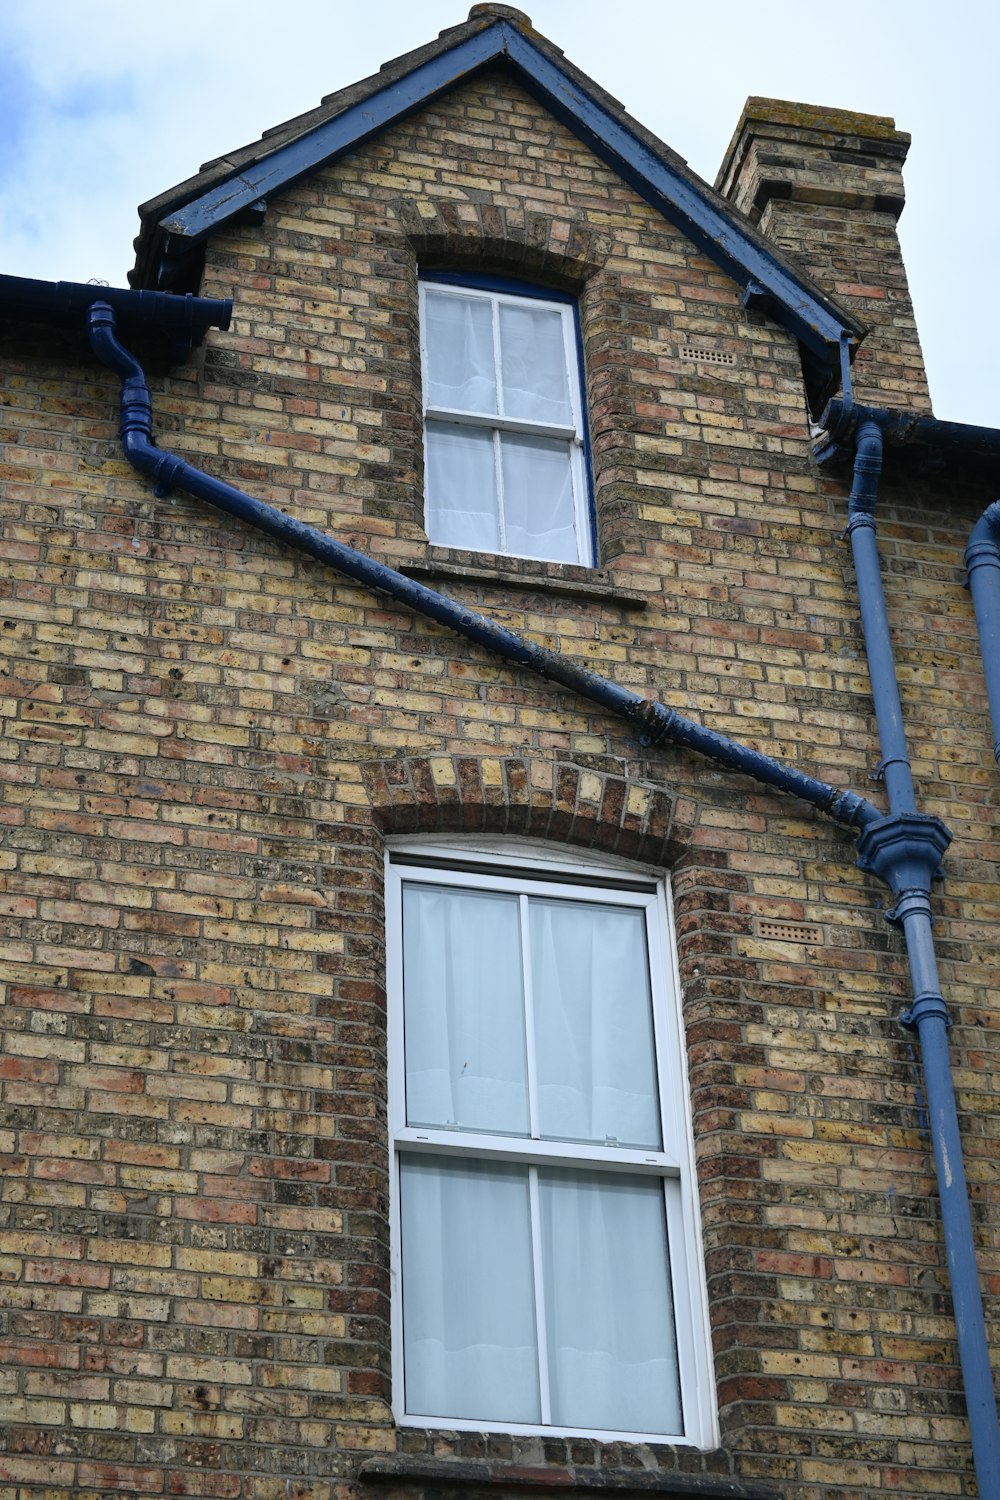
<point x="706" y="356"/>
<point x="790" y="932"/>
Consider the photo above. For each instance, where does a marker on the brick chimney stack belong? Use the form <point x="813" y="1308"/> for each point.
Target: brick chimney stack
<point x="827" y="186"/>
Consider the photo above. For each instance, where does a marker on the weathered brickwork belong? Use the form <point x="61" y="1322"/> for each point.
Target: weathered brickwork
<point x="827" y="184"/>
<point x="207" y="741"/>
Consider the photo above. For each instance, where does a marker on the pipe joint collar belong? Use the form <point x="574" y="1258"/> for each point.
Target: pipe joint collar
<point x="905" y="851"/>
<point x="982" y="551"/>
<point x="858" y="519"/>
<point x="852" y="809"/>
<point x="166" y="471"/>
<point x="136" y="409"/>
<point x="867" y="471"/>
<point x="927" y="1007"/>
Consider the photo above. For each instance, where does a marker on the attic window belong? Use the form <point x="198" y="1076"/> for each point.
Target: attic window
<point x="504" y="433"/>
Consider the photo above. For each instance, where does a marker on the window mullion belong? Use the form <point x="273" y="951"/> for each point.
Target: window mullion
<point x="540" y="1326"/>
<point x="497" y="452"/>
<point x="497" y="355"/>
<point x="498" y="471"/>
<point x="529" y="1021"/>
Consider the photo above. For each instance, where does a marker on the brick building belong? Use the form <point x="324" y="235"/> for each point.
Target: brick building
<point x="431" y="1064"/>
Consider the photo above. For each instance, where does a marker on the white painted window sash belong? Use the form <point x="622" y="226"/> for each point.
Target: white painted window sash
<point x="502" y="424"/>
<point x="674" y="1165"/>
<point x="498" y="422"/>
<point x="546" y="1153"/>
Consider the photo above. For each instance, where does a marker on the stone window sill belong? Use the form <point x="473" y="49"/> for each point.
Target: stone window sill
<point x="464" y="1474"/>
<point x="595" y="584"/>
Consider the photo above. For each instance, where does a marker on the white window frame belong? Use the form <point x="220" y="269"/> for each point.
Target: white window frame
<point x="497" y="423"/>
<point x="528" y="870"/>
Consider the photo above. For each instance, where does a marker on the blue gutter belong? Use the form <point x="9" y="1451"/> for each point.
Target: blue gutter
<point x="681" y="201"/>
<point x="656" y="723"/>
<point x="904" y="850"/>
<point x="967" y="444"/>
<point x="185" y="320"/>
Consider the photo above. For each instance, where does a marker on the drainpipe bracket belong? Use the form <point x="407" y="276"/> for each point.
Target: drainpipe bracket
<point x="166" y="473"/>
<point x="913" y="897"/>
<point x="656" y="722"/>
<point x="893" y="760"/>
<point x="926" y="1008"/>
<point x="904" y="850"/>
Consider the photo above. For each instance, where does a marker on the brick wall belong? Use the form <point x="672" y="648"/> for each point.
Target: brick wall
<point x="207" y="741"/>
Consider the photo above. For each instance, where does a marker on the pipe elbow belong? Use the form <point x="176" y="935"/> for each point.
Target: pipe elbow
<point x="101" y="325"/>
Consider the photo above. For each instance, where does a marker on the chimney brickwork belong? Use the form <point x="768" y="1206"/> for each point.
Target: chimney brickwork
<point x="827" y="185"/>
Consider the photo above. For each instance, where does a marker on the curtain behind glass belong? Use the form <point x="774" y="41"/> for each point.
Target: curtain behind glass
<point x="608" y="1312"/>
<point x="463" y="1010"/>
<point x="462" y="502"/>
<point x="461" y="367"/>
<point x="470" y="1347"/>
<point x="468" y="1293"/>
<point x="533" y="360"/>
<point x="538" y="505"/>
<point x="593" y="1024"/>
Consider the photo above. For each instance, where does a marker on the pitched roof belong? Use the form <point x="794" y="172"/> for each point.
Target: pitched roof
<point x="176" y="223"/>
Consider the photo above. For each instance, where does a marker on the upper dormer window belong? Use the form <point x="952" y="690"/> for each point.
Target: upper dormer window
<point x="506" y="468"/>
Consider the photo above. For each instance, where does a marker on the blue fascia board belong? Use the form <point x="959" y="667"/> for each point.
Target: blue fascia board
<point x="298" y="158"/>
<point x="677" y="199"/>
<point x="681" y="202"/>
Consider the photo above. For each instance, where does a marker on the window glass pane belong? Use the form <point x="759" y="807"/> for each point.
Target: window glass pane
<point x="608" y="1310"/>
<point x="533" y="359"/>
<point x="463" y="1010"/>
<point x="461" y="487"/>
<point x="461" y="369"/>
<point x="539" y="510"/>
<point x="468" y="1292"/>
<point x="593" y="1023"/>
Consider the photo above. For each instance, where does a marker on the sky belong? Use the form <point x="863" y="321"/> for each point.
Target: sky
<point x="104" y="104"/>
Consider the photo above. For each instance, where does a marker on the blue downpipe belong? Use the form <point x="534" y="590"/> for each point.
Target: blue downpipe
<point x="875" y="620"/>
<point x="655" y="722"/>
<point x="905" y="851"/>
<point x="982" y="561"/>
<point x="929" y="1015"/>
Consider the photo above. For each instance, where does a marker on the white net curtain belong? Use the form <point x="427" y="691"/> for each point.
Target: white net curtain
<point x="473" y="1246"/>
<point x="491" y="489"/>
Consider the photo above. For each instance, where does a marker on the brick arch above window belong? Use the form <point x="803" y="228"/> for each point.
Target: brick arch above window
<point x="448" y="234"/>
<point x="562" y="802"/>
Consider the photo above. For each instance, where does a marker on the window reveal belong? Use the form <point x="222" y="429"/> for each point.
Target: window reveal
<point x="504" y="427"/>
